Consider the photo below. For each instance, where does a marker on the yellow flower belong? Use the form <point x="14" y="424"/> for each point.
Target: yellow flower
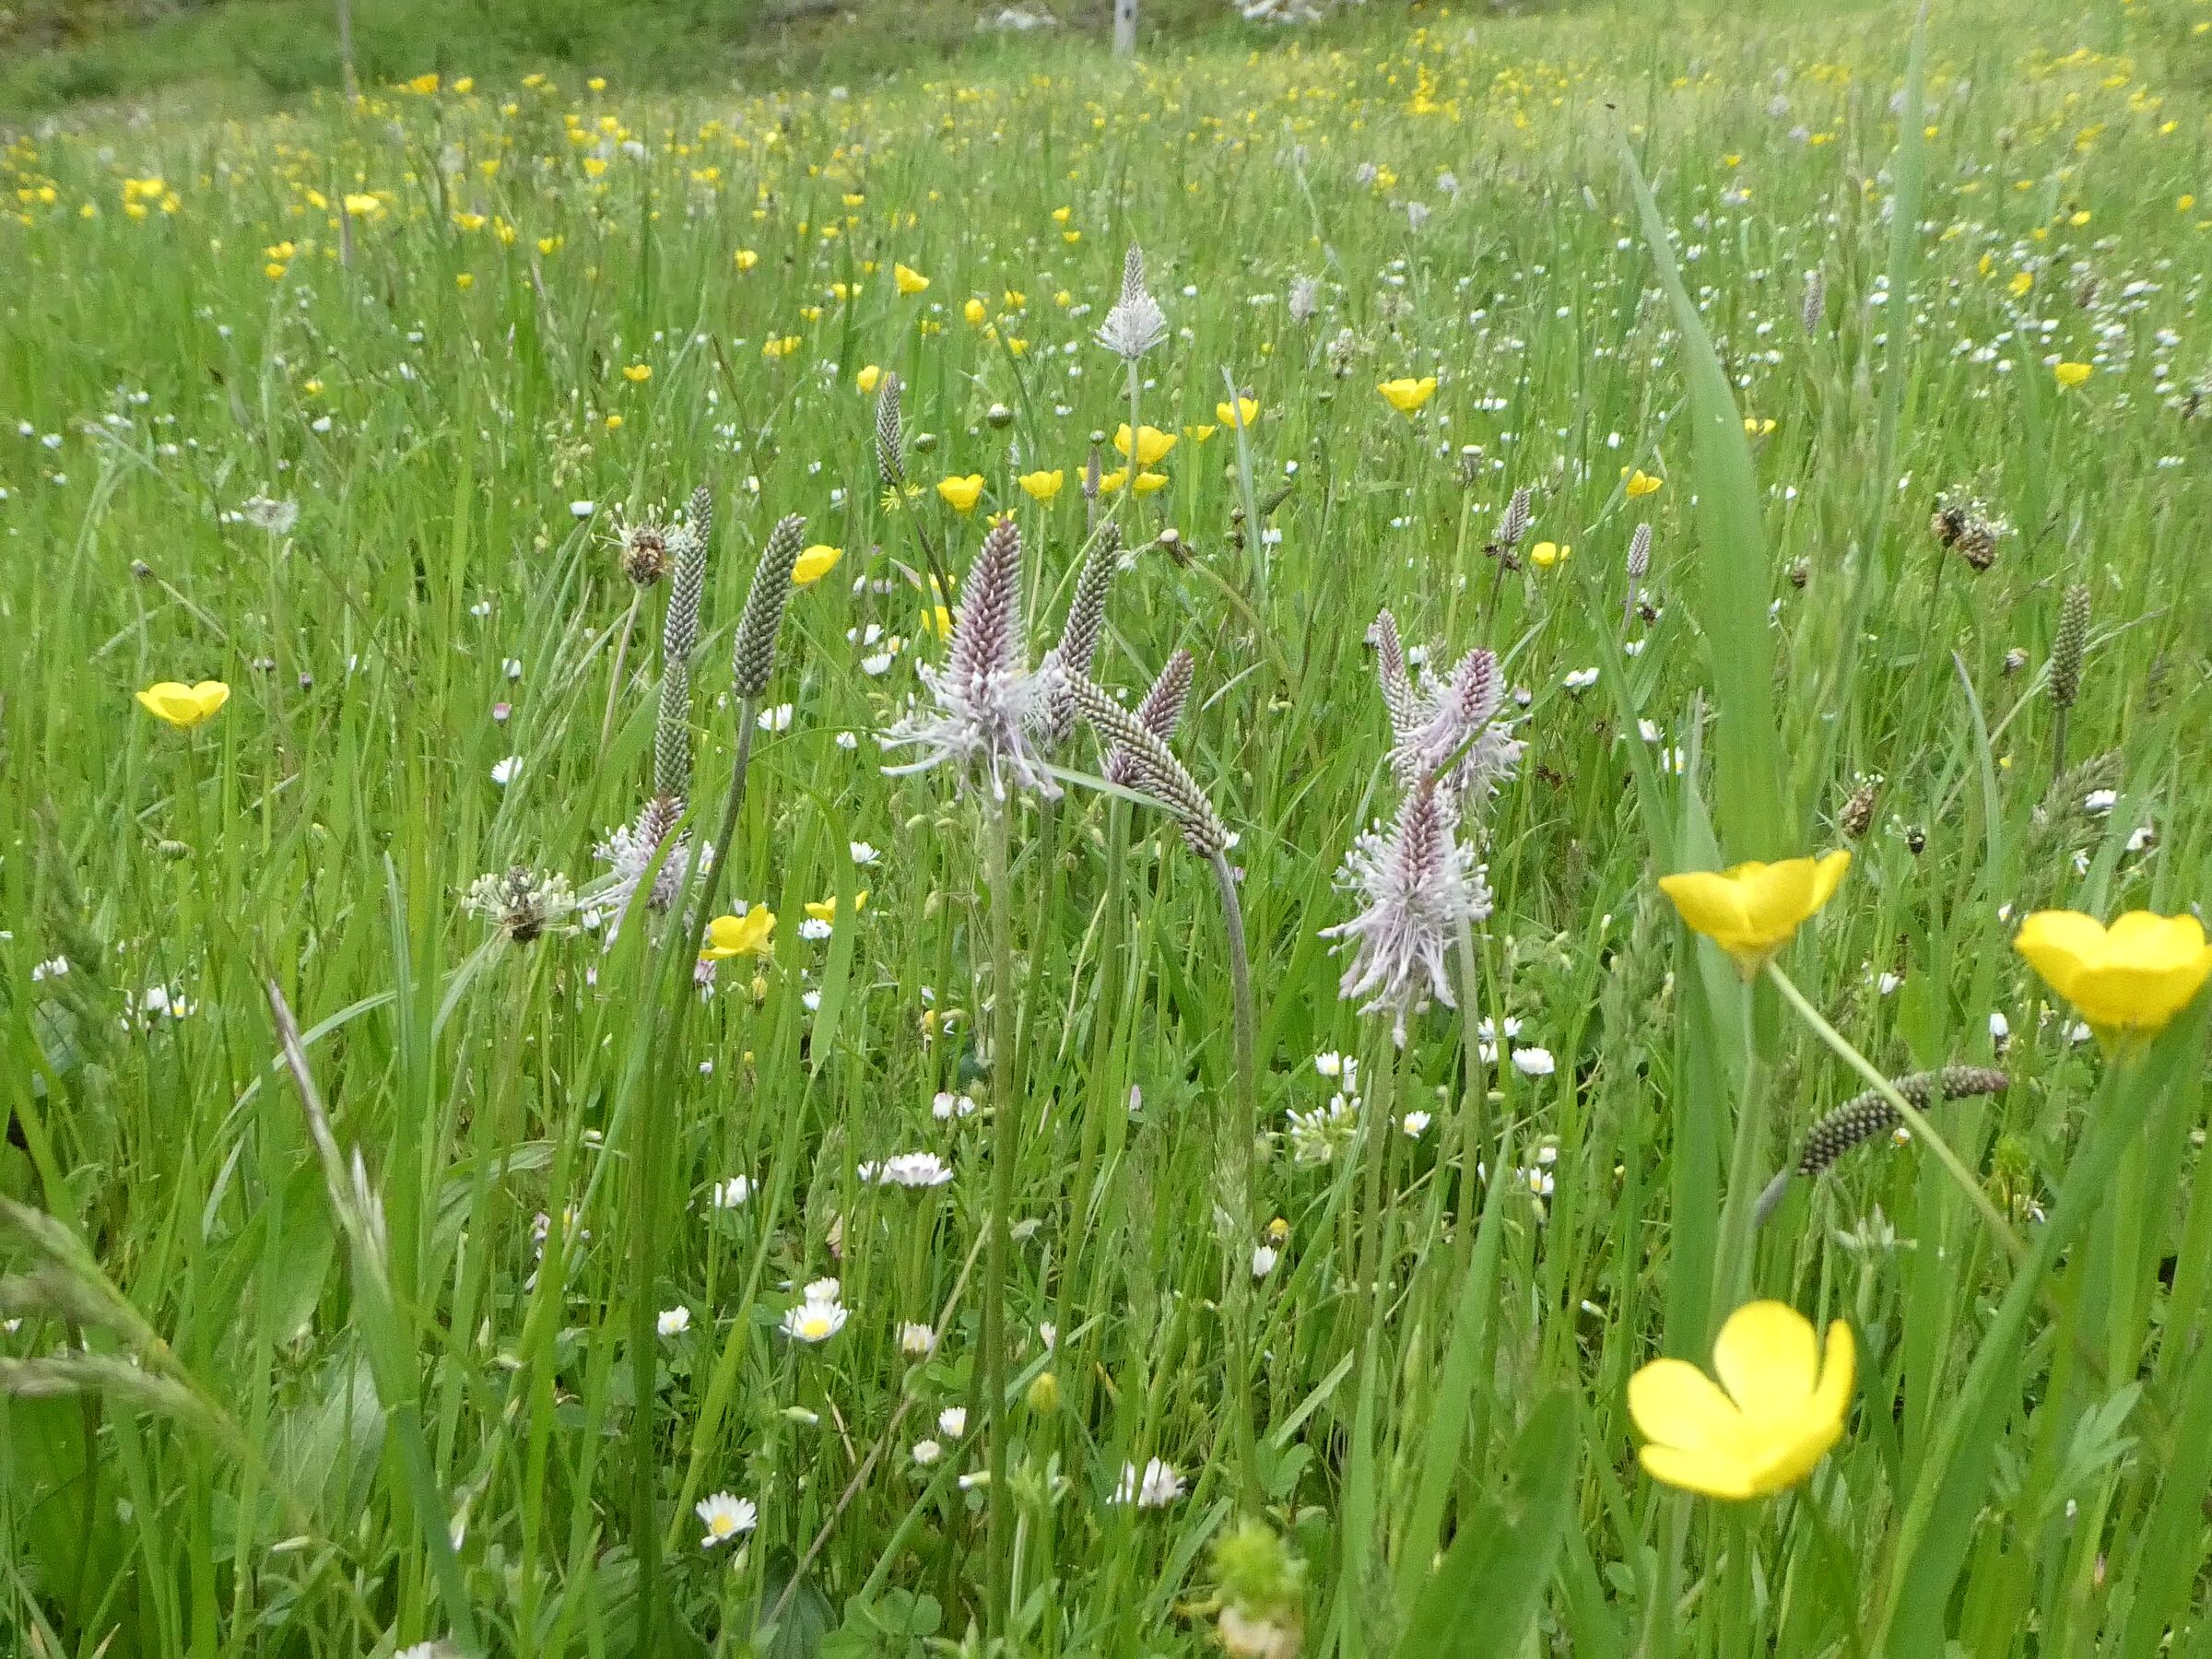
<point x="1147" y="482"/>
<point x="1199" y="433"/>
<point x="2021" y="282"/>
<point x="424" y="84"/>
<point x="1544" y="555"/>
<point x="464" y="280"/>
<point x="909" y="280"/>
<point x="815" y="563"/>
<point x="1406" y="395"/>
<point x="745" y="259"/>
<point x="938" y="620"/>
<point x="1247" y="410"/>
<point x="749" y="934"/>
<point x="637" y="373"/>
<point x="1041" y="486"/>
<point x="1641" y="483"/>
<point x="869" y="377"/>
<point x="2126" y="980"/>
<point x="361" y="204"/>
<point x="2070" y="375"/>
<point x="1784" y="1407"/>
<point x="825" y="910"/>
<point x="961" y="494"/>
<point x="1756" y="428"/>
<point x="184" y="706"/>
<point x="1751" y="910"/>
<point x="1152" y="444"/>
<point x="975" y="311"/>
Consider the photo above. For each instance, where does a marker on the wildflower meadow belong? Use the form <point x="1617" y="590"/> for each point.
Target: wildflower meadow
<point x="1386" y="837"/>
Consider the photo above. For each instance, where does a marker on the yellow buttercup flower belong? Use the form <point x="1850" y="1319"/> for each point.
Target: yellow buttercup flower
<point x="1152" y="444"/>
<point x="1406" y="395"/>
<point x="815" y="563"/>
<point x="1042" y="485"/>
<point x="961" y="494"/>
<point x="745" y="259"/>
<point x="1544" y="555"/>
<point x="1752" y="910"/>
<point x="1247" y="410"/>
<point x="869" y="377"/>
<point x="1147" y="482"/>
<point x="825" y="910"/>
<point x="938" y="620"/>
<point x="637" y="373"/>
<point x="975" y="311"/>
<point x="1756" y="428"/>
<point x="2128" y="980"/>
<point x="1200" y="432"/>
<point x="2070" y="375"/>
<point x="749" y="934"/>
<point x="1782" y="1408"/>
<point x="184" y="706"/>
<point x="909" y="280"/>
<point x="1641" y="483"/>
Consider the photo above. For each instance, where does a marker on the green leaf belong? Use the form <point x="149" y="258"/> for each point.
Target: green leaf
<point x="1734" y="584"/>
<point x="1483" y="1598"/>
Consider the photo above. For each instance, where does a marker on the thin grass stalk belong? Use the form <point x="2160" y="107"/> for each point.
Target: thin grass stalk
<point x="1235" y="1144"/>
<point x="614" y="686"/>
<point x="1474" y="1111"/>
<point x="1006" y="1148"/>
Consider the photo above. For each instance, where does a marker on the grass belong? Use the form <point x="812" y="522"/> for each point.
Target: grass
<point x="373" y="1277"/>
<point x="225" y="57"/>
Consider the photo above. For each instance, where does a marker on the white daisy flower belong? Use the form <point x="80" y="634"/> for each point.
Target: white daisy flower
<point x="725" y="1517"/>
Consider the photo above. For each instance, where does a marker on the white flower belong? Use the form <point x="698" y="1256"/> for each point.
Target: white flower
<point x="1264" y="1258"/>
<point x="582" y="510"/>
<point x="815" y="929"/>
<point x="862" y="853"/>
<point x="2000" y="1027"/>
<point x="1488" y="1032"/>
<point x="1330" y="1064"/>
<point x="675" y="1321"/>
<point x="2101" y="801"/>
<point x="913" y="1169"/>
<point x="948" y="1106"/>
<point x="1416" y="1123"/>
<point x="1534" y="1062"/>
<point x="1888" y="983"/>
<point x="777" y="719"/>
<point x="1318" y="1136"/>
<point x="952" y="1422"/>
<point x="1159" y="1487"/>
<point x="725" y="1517"/>
<point x="916" y="1341"/>
<point x="927" y="1452"/>
<point x="1048" y="1334"/>
<point x="1582" y="679"/>
<point x="818" y="1316"/>
<point x="731" y="1194"/>
<point x="507" y="771"/>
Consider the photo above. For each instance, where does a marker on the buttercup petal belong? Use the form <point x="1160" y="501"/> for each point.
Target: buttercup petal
<point x="2146" y="939"/>
<point x="2059" y="944"/>
<point x="1711" y="903"/>
<point x="1674" y="1404"/>
<point x="1767" y="1359"/>
<point x="1710" y="1475"/>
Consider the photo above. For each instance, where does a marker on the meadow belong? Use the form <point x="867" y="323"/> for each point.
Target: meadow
<point x="960" y="864"/>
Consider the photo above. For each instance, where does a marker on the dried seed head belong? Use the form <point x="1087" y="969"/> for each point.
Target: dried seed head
<point x="1305" y="297"/>
<point x="521" y="904"/>
<point x="680" y="634"/>
<point x="643" y="550"/>
<point x="754" y="658"/>
<point x="1154" y="768"/>
<point x="1080" y="635"/>
<point x="1513" y="525"/>
<point x="1136" y="325"/>
<point x="1398" y="700"/>
<point x="1640" y="553"/>
<point x="1159" y="713"/>
<point x="1420" y="885"/>
<point x="2067" y="645"/>
<point x="1864" y="1116"/>
<point x="985" y="699"/>
<point x="890" y="445"/>
<point x="1965" y="525"/>
<point x="1858" y="811"/>
<point x="1815" y="304"/>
